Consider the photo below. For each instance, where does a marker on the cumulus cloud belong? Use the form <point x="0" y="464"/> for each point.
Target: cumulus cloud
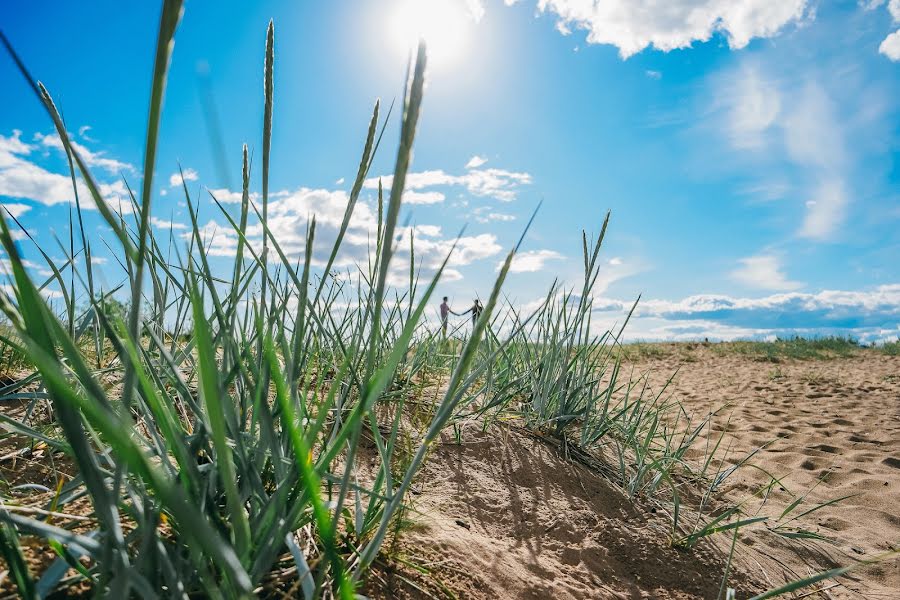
<point x="890" y="46"/>
<point x="40" y="269"/>
<point x="21" y="177"/>
<point x="500" y="184"/>
<point x="226" y="196"/>
<point x="289" y="215"/>
<point x="414" y="197"/>
<point x="633" y="25"/>
<point x="175" y="179"/>
<point x="870" y="315"/>
<point x="531" y="261"/>
<point x="763" y="272"/>
<point x="166" y="224"/>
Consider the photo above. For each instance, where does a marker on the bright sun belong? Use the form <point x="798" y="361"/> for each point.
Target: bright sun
<point x="443" y="24"/>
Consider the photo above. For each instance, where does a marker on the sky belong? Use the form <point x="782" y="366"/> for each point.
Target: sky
<point x="748" y="150"/>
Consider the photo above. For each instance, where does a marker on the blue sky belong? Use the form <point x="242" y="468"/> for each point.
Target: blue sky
<point x="748" y="150"/>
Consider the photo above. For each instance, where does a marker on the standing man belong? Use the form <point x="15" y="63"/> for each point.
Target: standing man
<point x="475" y="310"/>
<point x="445" y="310"/>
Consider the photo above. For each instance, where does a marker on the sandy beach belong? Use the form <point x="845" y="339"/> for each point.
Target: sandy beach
<point x="505" y="515"/>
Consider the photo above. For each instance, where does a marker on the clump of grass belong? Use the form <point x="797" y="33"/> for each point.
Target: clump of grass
<point x="890" y="348"/>
<point x="635" y="351"/>
<point x="215" y="421"/>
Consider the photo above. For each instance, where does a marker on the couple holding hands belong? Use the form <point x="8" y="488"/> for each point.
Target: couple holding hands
<point x="446" y="310"/>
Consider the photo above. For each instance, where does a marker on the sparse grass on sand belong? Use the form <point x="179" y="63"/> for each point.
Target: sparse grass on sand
<point x="792" y="348"/>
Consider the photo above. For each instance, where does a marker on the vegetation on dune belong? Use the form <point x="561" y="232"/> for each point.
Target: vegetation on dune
<point x="777" y="350"/>
<point x="215" y="422"/>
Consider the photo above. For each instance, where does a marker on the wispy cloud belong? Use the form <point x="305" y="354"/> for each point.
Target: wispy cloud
<point x="755" y="104"/>
<point x="475" y="162"/>
<point x="782" y="123"/>
<point x="91" y="158"/>
<point x="763" y="272"/>
<point x="531" y="261"/>
<point x="484" y="214"/>
<point x="83" y="133"/>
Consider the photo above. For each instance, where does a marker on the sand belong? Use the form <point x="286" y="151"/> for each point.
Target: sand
<point x="505" y="516"/>
<point x="836" y="428"/>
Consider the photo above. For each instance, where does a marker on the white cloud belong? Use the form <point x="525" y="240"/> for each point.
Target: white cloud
<point x="20" y="177"/>
<point x="755" y="105"/>
<point x="493" y="216"/>
<point x="763" y="272"/>
<point x="90" y="158"/>
<point x="414" y="197"/>
<point x="15" y="209"/>
<point x="228" y="197"/>
<point x="797" y="125"/>
<point x="890" y="47"/>
<point x="476" y="9"/>
<point x="290" y="211"/>
<point x="166" y="224"/>
<point x="870" y="315"/>
<point x="494" y="183"/>
<point x="83" y="133"/>
<point x="812" y="131"/>
<point x="633" y="25"/>
<point x="653" y="74"/>
<point x="475" y="162"/>
<point x="40" y="269"/>
<point x="189" y="175"/>
<point x="529" y="262"/>
<point x="826" y="211"/>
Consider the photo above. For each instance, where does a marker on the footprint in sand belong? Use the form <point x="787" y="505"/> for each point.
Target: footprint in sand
<point x="809" y="465"/>
<point x="892" y="462"/>
<point x="826" y="448"/>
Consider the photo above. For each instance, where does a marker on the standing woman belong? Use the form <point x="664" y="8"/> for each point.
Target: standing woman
<point x="476" y="311"/>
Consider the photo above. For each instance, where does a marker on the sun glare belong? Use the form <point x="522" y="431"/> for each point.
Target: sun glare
<point x="443" y="24"/>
